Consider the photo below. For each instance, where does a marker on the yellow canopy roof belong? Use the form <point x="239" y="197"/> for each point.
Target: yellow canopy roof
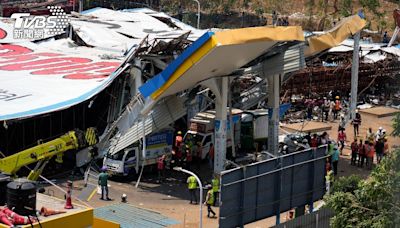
<point x="332" y="38"/>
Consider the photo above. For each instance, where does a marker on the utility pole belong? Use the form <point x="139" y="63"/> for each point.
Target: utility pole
<point x="198" y="13"/>
<point x="354" y="75"/>
<point x="201" y="191"/>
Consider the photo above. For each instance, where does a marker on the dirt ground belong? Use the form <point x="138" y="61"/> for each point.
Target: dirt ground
<point x="170" y="197"/>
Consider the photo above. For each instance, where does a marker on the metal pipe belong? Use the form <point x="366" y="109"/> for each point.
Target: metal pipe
<point x="201" y="191"/>
<point x="198" y="13"/>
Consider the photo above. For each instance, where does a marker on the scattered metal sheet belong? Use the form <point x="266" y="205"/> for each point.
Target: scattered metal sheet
<point x="129" y="216"/>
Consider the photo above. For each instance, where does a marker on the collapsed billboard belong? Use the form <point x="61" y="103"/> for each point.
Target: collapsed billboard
<point x="35" y="80"/>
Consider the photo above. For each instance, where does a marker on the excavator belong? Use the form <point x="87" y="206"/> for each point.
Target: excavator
<point x="43" y="152"/>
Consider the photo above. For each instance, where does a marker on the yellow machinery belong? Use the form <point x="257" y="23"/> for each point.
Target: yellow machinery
<point x="43" y="152"/>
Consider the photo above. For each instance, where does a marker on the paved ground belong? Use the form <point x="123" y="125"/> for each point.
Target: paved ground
<point x="171" y="197"/>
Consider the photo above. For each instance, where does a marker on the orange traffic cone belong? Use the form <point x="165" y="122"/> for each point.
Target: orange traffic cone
<point x="4" y="219"/>
<point x="47" y="212"/>
<point x="68" y="202"/>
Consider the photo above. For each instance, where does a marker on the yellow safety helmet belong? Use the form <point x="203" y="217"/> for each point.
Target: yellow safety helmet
<point x="179" y="132"/>
<point x="337" y="97"/>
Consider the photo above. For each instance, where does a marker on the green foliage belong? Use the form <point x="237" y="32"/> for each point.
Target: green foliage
<point x="347" y="184"/>
<point x="346" y="8"/>
<point x="371" y="5"/>
<point x="374" y="202"/>
<point x="396" y="125"/>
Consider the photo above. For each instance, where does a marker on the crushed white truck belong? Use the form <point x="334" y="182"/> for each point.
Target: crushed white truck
<point x="202" y="130"/>
<point x="129" y="160"/>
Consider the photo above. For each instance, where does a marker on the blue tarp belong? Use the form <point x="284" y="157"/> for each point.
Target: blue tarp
<point x="159" y="80"/>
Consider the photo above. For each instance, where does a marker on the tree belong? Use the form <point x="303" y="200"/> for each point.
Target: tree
<point x="374" y="202"/>
<point x="396" y="125"/>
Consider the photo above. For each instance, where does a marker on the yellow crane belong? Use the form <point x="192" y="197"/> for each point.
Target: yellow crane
<point x="43" y="152"/>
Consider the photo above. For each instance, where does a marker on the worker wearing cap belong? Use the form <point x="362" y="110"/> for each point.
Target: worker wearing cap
<point x="192" y="186"/>
<point x="178" y="139"/>
<point x="380" y="134"/>
<point x="215" y="187"/>
<point x="210" y="200"/>
<point x="103" y="179"/>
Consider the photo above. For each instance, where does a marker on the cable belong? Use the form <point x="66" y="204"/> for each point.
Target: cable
<point x="30" y="221"/>
<point x="38" y="220"/>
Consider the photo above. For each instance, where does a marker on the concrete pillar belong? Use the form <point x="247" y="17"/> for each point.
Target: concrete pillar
<point x="221" y="126"/>
<point x="273" y="113"/>
<point x="354" y="75"/>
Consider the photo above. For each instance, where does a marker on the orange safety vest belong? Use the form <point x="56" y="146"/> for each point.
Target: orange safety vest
<point x="337" y="105"/>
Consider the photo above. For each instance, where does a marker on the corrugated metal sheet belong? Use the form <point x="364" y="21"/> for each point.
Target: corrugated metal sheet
<point x="288" y="61"/>
<point x="129" y="216"/>
<point x="163" y="114"/>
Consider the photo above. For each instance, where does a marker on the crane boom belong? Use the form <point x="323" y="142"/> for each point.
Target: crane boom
<point x="45" y="151"/>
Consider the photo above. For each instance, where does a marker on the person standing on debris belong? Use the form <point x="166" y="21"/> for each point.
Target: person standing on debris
<point x="103" y="182"/>
<point x="354" y="152"/>
<point x="192" y="186"/>
<point x="210" y="200"/>
<point x="215" y="187"/>
<point x="341" y="139"/>
<point x="356" y="123"/>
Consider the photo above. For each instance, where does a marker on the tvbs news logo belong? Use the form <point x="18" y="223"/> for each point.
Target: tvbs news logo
<point x="36" y="27"/>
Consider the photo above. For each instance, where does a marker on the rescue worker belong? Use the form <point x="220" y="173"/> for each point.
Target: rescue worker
<point x="188" y="157"/>
<point x="103" y="179"/>
<point x="329" y="178"/>
<point x="215" y="187"/>
<point x="192" y="186"/>
<point x="210" y="200"/>
<point x="178" y="139"/>
<point x="370" y="136"/>
<point x="337" y="107"/>
<point x="161" y="167"/>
